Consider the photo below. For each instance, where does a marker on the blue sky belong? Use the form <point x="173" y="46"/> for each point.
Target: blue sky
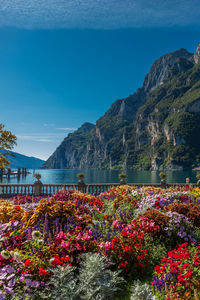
<point x="65" y="63"/>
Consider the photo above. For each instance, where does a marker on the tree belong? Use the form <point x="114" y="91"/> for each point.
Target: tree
<point x="7" y="142"/>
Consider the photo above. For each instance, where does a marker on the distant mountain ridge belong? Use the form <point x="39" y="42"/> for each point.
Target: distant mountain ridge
<point x="155" y="128"/>
<point x="23" y="161"/>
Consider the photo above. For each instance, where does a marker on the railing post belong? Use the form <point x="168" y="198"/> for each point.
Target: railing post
<point x="122" y="181"/>
<point x="122" y="178"/>
<point x="82" y="187"/>
<point x="163" y="184"/>
<point x="37" y="187"/>
<point x="81" y="184"/>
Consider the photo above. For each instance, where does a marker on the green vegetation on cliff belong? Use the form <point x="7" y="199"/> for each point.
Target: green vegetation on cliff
<point x="156" y="127"/>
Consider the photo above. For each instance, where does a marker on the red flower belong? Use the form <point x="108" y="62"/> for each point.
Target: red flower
<point x="27" y="262"/>
<point x="65" y="259"/>
<point x="127" y="248"/>
<point x="123" y="265"/>
<point x="188" y="274"/>
<point x="157" y="268"/>
<point x="17" y="207"/>
<point x="24" y="272"/>
<point x="43" y="271"/>
<point x="123" y="233"/>
<point x="55" y="262"/>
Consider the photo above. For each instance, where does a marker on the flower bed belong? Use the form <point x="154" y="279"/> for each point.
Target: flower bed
<point x="140" y="242"/>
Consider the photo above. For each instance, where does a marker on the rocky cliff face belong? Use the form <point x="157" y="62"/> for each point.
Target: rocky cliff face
<point x="69" y="153"/>
<point x="147" y="129"/>
<point x="197" y="55"/>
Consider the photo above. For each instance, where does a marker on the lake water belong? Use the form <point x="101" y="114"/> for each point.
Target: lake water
<point x="104" y="176"/>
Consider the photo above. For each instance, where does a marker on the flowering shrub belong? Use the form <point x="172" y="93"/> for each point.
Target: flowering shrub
<point x="132" y="227"/>
<point x="159" y="218"/>
<point x="61" y="208"/>
<point x="146" y="225"/>
<point x="71" y="244"/>
<point x="190" y="210"/>
<point x="179" y="228"/>
<point x="24" y="199"/>
<point x="128" y="250"/>
<point x="196" y="192"/>
<point x="179" y="273"/>
<point x="123" y="198"/>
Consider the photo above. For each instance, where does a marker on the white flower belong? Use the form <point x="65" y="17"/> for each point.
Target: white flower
<point x="4" y="238"/>
<point x="17" y="256"/>
<point x="135" y="193"/>
<point x="40" y="242"/>
<point x="36" y="235"/>
<point x="5" y="254"/>
<point x="51" y="260"/>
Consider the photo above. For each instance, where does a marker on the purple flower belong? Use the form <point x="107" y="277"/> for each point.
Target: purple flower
<point x="9" y="291"/>
<point x="2" y="296"/>
<point x="28" y="282"/>
<point x="11" y="282"/>
<point x="35" y="284"/>
<point x="10" y="269"/>
<point x="3" y="276"/>
<point x="11" y="276"/>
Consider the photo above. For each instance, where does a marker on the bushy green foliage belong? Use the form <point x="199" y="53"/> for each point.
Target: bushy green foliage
<point x="156" y="252"/>
<point x="186" y="125"/>
<point x="197" y="235"/>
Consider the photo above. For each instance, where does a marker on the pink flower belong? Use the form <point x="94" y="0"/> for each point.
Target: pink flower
<point x="61" y="235"/>
<point x="78" y="228"/>
<point x="129" y="227"/>
<point x="65" y="244"/>
<point x="86" y="237"/>
<point x="107" y="245"/>
<point x="78" y="247"/>
<point x="78" y="237"/>
<point x="116" y="223"/>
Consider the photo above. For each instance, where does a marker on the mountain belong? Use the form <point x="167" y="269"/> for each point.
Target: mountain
<point x="69" y="153"/>
<point x="22" y="161"/>
<point x="157" y="127"/>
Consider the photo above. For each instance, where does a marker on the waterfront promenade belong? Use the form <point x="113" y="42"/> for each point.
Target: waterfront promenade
<point x="39" y="189"/>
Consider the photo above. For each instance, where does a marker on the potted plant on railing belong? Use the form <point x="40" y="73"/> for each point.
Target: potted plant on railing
<point x="122" y="178"/>
<point x="198" y="177"/>
<point x="162" y="176"/>
<point x="80" y="177"/>
<point x="187" y="180"/>
<point x="37" y="176"/>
